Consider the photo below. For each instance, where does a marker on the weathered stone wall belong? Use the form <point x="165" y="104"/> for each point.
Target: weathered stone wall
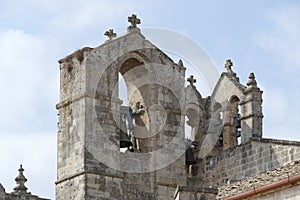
<point x="103" y="187"/>
<point x="250" y="159"/>
<point x="183" y="193"/>
<point x="2" y="192"/>
<point x="70" y="159"/>
<point x="71" y="111"/>
<point x="71" y="188"/>
<point x="166" y="191"/>
<point x="90" y="165"/>
<point x="248" y="98"/>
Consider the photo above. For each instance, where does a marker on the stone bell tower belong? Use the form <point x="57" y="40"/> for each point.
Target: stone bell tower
<point x="90" y="163"/>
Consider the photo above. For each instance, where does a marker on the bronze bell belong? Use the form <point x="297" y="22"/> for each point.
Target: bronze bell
<point x="195" y="144"/>
<point x="189" y="157"/>
<point x="238" y="121"/>
<point x="124" y="140"/>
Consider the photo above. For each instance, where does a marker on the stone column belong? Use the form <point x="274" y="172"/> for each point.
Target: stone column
<point x="251" y="111"/>
<point x="229" y="138"/>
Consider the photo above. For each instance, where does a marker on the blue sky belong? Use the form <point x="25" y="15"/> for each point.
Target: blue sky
<point x="259" y="36"/>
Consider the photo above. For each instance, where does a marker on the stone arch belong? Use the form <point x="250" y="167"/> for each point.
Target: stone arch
<point x="234" y="99"/>
<point x="136" y="72"/>
<point x="225" y="90"/>
<point x="235" y="116"/>
<point x="144" y="93"/>
<point x="135" y="69"/>
<point x="216" y="122"/>
<point x="232" y="118"/>
<point x="194" y="115"/>
<point x="216" y="111"/>
<point x="234" y="109"/>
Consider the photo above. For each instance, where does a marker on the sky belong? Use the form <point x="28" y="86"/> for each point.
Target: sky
<point x="258" y="36"/>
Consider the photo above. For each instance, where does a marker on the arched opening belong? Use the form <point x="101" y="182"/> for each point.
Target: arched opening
<point x="235" y="117"/>
<point x="126" y="125"/>
<point x="187" y="129"/>
<point x="123" y="93"/>
<point x="194" y="124"/>
<point x="217" y="111"/>
<point x="194" y="135"/>
<point x="217" y="122"/>
<point x="238" y="126"/>
<point x="131" y="73"/>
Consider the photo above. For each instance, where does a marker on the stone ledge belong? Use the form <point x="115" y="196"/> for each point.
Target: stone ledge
<point x="230" y="150"/>
<point x="167" y="185"/>
<point x="275" y="141"/>
<point x="86" y="172"/>
<point x="195" y="190"/>
<point x="75" y="98"/>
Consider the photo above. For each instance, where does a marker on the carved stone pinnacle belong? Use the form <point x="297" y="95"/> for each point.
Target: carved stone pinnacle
<point x="20" y="180"/>
<point x="180" y="63"/>
<point x="252" y="82"/>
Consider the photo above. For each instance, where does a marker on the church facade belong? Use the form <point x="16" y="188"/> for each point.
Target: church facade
<point x="110" y="151"/>
<point x="226" y="143"/>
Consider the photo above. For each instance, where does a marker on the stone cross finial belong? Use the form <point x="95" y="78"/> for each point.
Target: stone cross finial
<point x="134" y="21"/>
<point x="20" y="180"/>
<point x="252" y="82"/>
<point x="110" y="34"/>
<point x="228" y="65"/>
<point x="191" y="80"/>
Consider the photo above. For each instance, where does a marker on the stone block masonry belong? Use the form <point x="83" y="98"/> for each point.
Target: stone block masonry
<point x="247" y="160"/>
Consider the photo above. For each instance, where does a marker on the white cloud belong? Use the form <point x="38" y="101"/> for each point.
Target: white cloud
<point x="29" y="88"/>
<point x="281" y="113"/>
<point x="78" y="15"/>
<point x="276" y="105"/>
<point x="281" y="38"/>
<point x="28" y="74"/>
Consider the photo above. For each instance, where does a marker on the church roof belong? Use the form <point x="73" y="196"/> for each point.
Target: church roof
<point x="264" y="179"/>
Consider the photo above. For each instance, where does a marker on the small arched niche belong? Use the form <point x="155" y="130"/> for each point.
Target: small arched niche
<point x="217" y="111"/>
<point x="234" y="105"/>
<point x="216" y="122"/>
